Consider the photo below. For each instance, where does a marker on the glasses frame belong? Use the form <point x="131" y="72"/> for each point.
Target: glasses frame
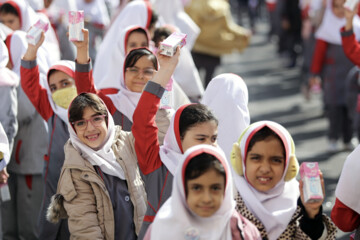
<point x="140" y="70"/>
<point x="87" y="122"/>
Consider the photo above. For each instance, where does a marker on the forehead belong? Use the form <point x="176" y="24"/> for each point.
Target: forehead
<point x="56" y="76"/>
<point x="205" y="127"/>
<point x="137" y="36"/>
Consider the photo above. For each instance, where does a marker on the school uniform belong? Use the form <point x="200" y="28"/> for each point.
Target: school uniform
<point x="175" y="218"/>
<point x="346" y="211"/>
<point x="157" y="164"/>
<point x="4" y="149"/>
<point x="26" y="165"/>
<point x="102" y="192"/>
<point x="278" y="213"/>
<point x="330" y="62"/>
<point x="55" y="116"/>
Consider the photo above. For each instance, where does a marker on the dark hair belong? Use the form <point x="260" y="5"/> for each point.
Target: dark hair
<point x="194" y="114"/>
<point x="160" y="33"/>
<point x="200" y="164"/>
<point x="7" y="8"/>
<point x="135" y="54"/>
<point x="154" y="19"/>
<point x="84" y="100"/>
<point x="263" y="134"/>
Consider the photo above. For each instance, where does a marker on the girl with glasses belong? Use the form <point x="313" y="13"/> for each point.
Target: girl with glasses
<point x="100" y="190"/>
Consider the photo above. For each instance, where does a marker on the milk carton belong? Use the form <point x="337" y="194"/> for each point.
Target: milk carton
<point x="76" y="24"/>
<point x="309" y="172"/>
<point x="34" y="34"/>
<point x="350" y="4"/>
<point x="167" y="100"/>
<point x="169" y="45"/>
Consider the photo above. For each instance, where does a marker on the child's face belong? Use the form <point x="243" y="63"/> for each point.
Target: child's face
<point x="265" y="164"/>
<point x="93" y="135"/>
<point x="136" y="40"/>
<point x="201" y="133"/>
<point x="205" y="194"/>
<point x="137" y="76"/>
<point x="10" y="20"/>
<point x="59" y="80"/>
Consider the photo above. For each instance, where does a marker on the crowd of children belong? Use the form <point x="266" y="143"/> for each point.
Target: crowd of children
<point x="137" y="149"/>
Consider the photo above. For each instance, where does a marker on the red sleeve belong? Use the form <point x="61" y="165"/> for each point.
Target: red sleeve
<point x="145" y="132"/>
<point x="84" y="82"/>
<point x="351" y="48"/>
<point x="345" y="218"/>
<point x="35" y="92"/>
<point x="319" y="56"/>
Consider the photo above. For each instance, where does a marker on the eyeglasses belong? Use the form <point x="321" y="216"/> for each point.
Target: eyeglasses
<point x="147" y="72"/>
<point x="96" y="121"/>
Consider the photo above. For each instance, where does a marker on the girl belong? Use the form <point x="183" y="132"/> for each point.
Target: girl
<point x="18" y="15"/>
<point x="201" y="203"/>
<point x="330" y="61"/>
<point x="139" y="66"/>
<point x="346" y="211"/>
<point x="100" y="186"/>
<point x="233" y="98"/>
<point x="265" y="165"/>
<point x="191" y="125"/>
<point x="107" y="59"/>
<point x="51" y="102"/>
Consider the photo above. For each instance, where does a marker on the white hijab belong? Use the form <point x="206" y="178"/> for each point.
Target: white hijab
<point x="171" y="150"/>
<point x="176" y="218"/>
<point x="329" y="29"/>
<point x="106" y="69"/>
<point x="228" y="93"/>
<point x="96" y="11"/>
<point x="67" y="67"/>
<point x="28" y="17"/>
<point x="347" y="189"/>
<point x="4" y="147"/>
<point x="7" y="77"/>
<point x="275" y="207"/>
<point x="104" y="157"/>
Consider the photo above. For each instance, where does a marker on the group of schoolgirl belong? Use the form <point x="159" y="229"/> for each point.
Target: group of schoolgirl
<point x="114" y="184"/>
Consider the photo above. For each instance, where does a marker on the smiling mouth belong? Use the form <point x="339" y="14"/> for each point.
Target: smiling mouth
<point x="264" y="180"/>
<point x="92" y="137"/>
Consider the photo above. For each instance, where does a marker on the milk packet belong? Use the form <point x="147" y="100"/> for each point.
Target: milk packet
<point x="169" y="45"/>
<point x="309" y="172"/>
<point x="167" y="100"/>
<point x="76" y="24"/>
<point x="350" y="4"/>
<point x="34" y="34"/>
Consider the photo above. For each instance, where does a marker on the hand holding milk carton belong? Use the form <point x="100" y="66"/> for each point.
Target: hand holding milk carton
<point x="310" y="175"/>
<point x="34" y="34"/>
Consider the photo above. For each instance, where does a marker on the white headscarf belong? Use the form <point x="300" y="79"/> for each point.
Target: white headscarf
<point x="329" y="29"/>
<point x="104" y="157"/>
<point x="228" y="93"/>
<point x="176" y="218"/>
<point x="347" y="189"/>
<point x="4" y="147"/>
<point x="67" y="67"/>
<point x="171" y="150"/>
<point x="275" y="207"/>
<point x="96" y="11"/>
<point x="106" y="70"/>
<point x="7" y="77"/>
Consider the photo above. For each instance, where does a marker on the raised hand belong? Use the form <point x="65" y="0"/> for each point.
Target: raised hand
<point x="31" y="51"/>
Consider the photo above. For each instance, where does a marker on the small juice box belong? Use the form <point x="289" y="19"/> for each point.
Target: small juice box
<point x="309" y="172"/>
<point x="350" y="4"/>
<point x="76" y="24"/>
<point x="34" y="34"/>
<point x="169" y="45"/>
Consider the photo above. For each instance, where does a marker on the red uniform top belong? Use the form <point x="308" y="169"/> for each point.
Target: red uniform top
<point x="345" y="218"/>
<point x="351" y="46"/>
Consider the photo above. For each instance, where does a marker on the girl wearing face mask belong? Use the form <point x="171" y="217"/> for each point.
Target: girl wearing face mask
<point x="140" y="65"/>
<point x="265" y="168"/>
<point x="51" y="102"/>
<point x="100" y="187"/>
<point x="201" y="203"/>
<point x="191" y="125"/>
